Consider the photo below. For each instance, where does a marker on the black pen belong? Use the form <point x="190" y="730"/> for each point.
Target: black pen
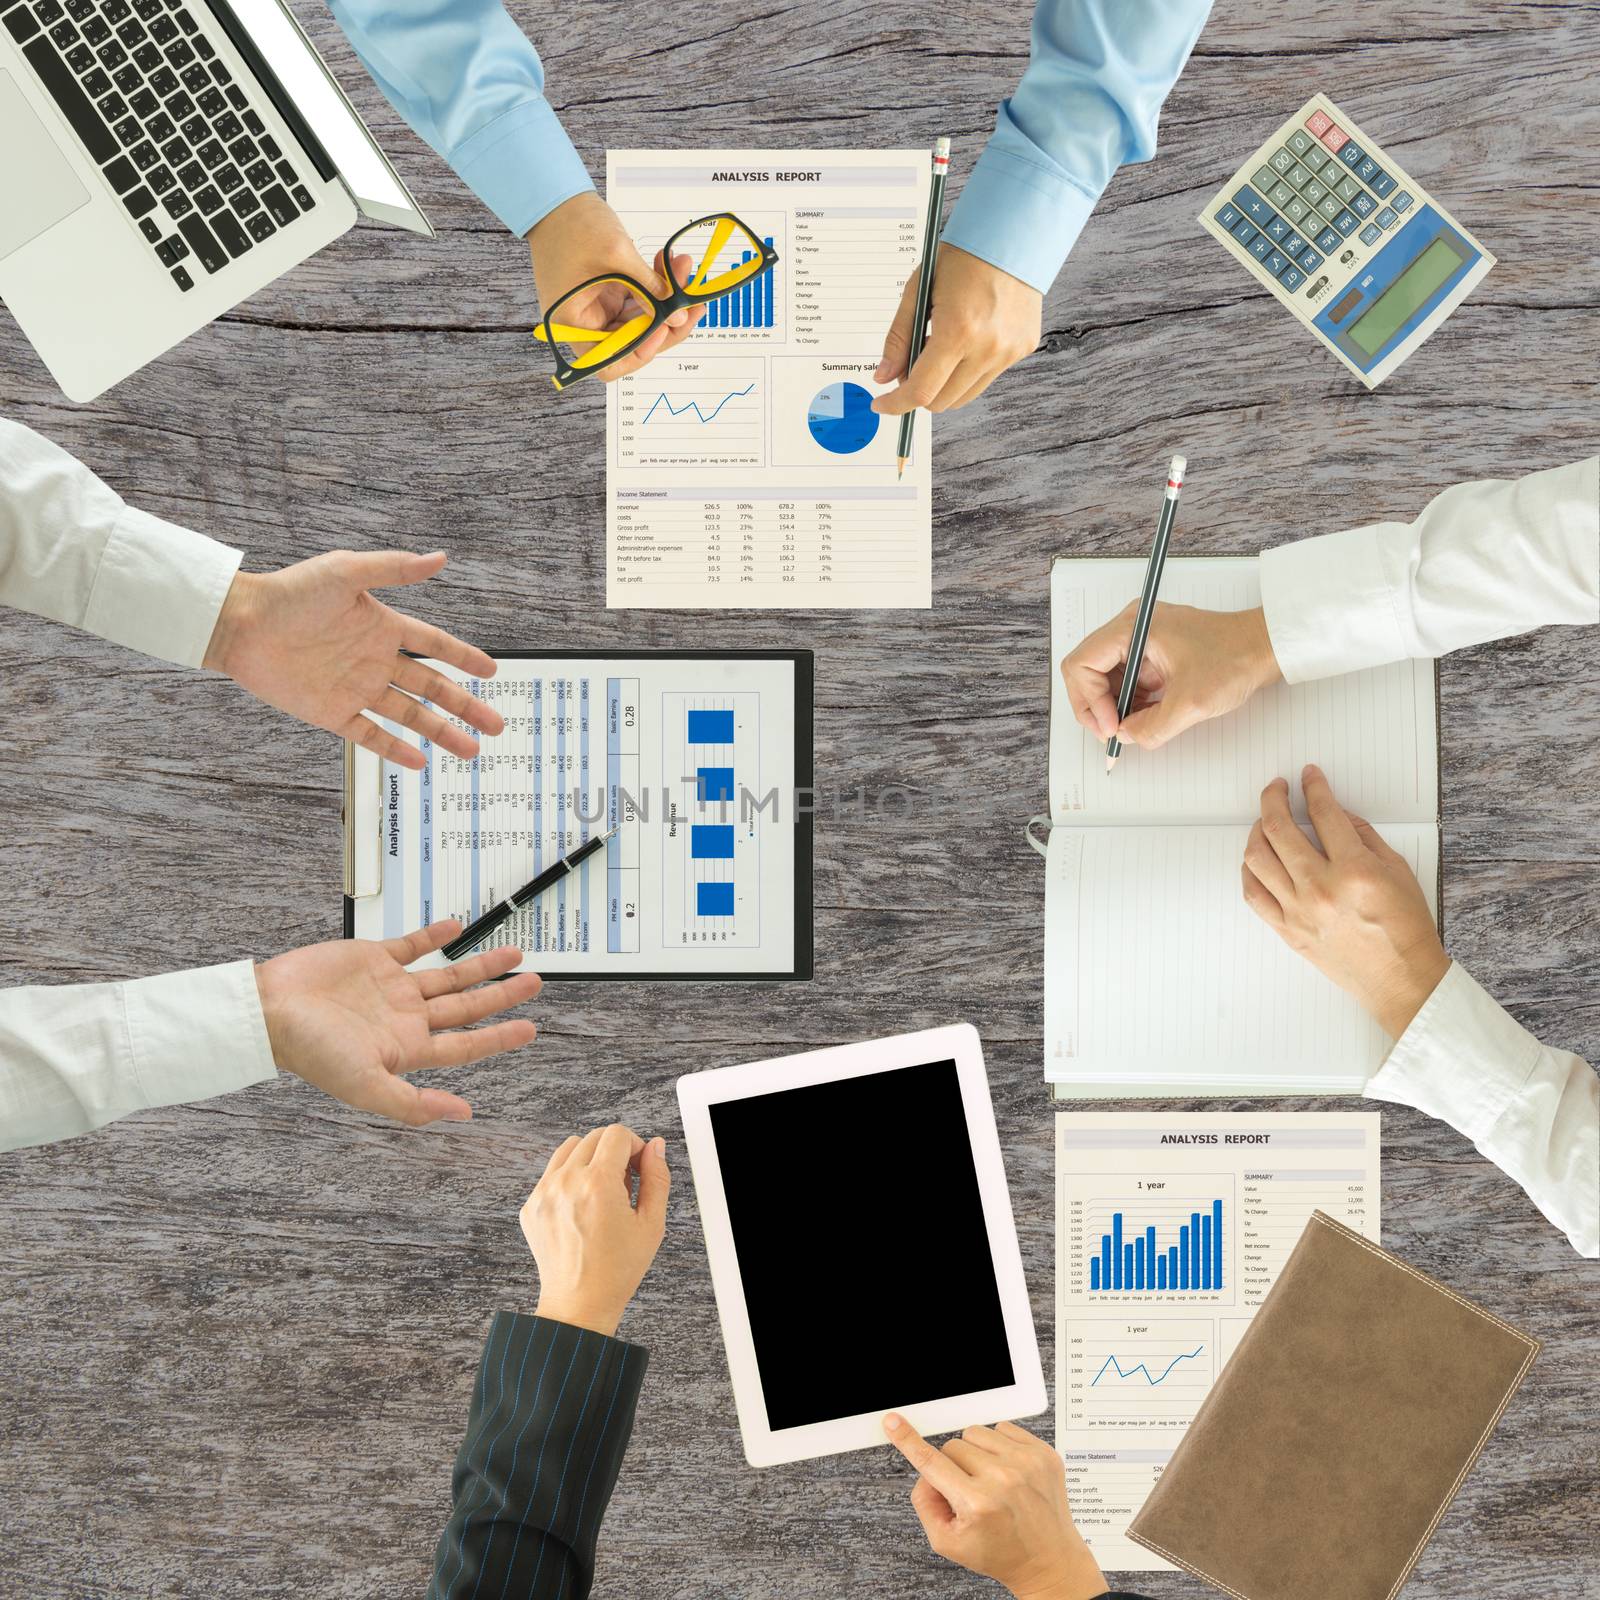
<point x="491" y="919"/>
<point x="1147" y="603"/>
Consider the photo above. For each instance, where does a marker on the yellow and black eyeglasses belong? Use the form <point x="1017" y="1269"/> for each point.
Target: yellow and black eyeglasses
<point x="600" y="321"/>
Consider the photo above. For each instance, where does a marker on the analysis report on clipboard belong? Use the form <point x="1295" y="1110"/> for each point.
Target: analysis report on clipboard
<point x="698" y="761"/>
<point x="746" y="467"/>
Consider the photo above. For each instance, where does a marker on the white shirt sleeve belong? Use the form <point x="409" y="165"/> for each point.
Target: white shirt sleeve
<point x="1483" y="561"/>
<point x="1533" y="1111"/>
<point x="71" y="549"/>
<point x="74" y="1057"/>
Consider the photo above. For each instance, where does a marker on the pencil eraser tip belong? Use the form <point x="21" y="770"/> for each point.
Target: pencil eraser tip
<point x="941" y="148"/>
<point x="1179" y="466"/>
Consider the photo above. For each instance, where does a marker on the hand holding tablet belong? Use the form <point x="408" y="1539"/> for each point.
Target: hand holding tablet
<point x="892" y="1278"/>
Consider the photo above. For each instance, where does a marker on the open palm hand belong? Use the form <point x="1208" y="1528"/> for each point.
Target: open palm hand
<point x="348" y="1017"/>
<point x="312" y="641"/>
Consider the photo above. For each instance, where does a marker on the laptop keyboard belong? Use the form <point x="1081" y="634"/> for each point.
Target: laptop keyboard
<point x="174" y="135"/>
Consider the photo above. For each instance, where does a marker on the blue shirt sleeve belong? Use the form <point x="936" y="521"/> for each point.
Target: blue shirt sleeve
<point x="1089" y="102"/>
<point x="465" y="77"/>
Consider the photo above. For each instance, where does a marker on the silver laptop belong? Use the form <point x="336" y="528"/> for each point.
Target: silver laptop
<point x="160" y="161"/>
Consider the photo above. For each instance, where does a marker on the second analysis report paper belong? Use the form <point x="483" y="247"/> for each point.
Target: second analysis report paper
<point x="746" y="467"/>
<point x="1170" y="1229"/>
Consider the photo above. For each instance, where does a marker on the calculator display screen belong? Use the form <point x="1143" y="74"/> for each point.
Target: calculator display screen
<point x="1404" y="297"/>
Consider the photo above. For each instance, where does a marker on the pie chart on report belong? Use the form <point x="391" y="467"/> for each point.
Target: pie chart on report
<point x="841" y="418"/>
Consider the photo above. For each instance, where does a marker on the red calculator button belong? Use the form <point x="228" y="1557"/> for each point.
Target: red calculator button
<point x="1318" y="123"/>
<point x="1335" y="137"/>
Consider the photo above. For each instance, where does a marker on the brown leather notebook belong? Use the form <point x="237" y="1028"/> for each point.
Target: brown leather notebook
<point x="1333" y="1440"/>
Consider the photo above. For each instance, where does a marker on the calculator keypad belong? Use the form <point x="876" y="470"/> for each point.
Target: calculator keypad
<point x="1315" y="190"/>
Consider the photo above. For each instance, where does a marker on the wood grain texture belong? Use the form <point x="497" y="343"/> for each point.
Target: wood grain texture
<point x="238" y="1338"/>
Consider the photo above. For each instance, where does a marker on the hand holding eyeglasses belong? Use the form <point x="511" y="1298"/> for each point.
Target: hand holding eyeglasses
<point x="611" y="322"/>
<point x="583" y="238"/>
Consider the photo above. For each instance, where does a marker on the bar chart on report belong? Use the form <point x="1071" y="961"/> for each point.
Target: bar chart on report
<point x="752" y="304"/>
<point x="1137" y="1374"/>
<point x="756" y="311"/>
<point x="1135" y="1236"/>
<point x="711" y="855"/>
<point x="709" y="411"/>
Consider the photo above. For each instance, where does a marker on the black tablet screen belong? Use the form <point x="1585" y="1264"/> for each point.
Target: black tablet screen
<point x="861" y="1242"/>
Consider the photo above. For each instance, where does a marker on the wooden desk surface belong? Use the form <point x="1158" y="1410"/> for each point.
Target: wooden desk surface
<point x="239" y="1337"/>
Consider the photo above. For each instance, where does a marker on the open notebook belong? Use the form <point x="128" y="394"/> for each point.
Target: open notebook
<point x="1159" y="980"/>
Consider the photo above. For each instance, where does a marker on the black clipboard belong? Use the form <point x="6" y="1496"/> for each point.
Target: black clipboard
<point x="804" y="779"/>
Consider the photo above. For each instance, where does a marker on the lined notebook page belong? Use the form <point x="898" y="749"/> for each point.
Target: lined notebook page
<point x="1374" y="733"/>
<point x="1158" y="976"/>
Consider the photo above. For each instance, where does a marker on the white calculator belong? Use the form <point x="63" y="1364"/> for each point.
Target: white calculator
<point x="1345" y="238"/>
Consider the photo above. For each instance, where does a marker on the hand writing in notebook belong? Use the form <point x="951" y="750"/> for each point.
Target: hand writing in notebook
<point x="995" y="1501"/>
<point x="1197" y="664"/>
<point x="348" y="1017"/>
<point x="312" y="641"/>
<point x="1352" y="908"/>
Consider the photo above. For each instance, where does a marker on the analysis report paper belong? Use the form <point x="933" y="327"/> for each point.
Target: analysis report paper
<point x="747" y="468"/>
<point x="1170" y="1229"/>
<point x="694" y="759"/>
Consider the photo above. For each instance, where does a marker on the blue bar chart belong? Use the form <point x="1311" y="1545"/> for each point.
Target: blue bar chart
<point x="748" y="306"/>
<point x="1131" y="1237"/>
<point x="712" y="840"/>
<point x="1192" y="1261"/>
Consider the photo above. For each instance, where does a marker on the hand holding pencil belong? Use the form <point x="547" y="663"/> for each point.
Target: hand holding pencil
<point x="983" y="321"/>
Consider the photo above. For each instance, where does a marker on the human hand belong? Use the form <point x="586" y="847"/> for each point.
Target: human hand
<point x="311" y="641"/>
<point x="583" y="238"/>
<point x="347" y="1017"/>
<point x="592" y="1243"/>
<point x="1353" y="908"/>
<point x="981" y="321"/>
<point x="1197" y="664"/>
<point x="995" y="1502"/>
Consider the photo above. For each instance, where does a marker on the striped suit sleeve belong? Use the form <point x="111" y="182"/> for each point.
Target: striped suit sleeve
<point x="550" y="1419"/>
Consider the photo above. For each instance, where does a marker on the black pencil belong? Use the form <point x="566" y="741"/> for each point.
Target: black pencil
<point x="1147" y="603"/>
<point x="919" y="320"/>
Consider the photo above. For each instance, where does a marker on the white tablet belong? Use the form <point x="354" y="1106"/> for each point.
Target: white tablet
<point x="861" y="1243"/>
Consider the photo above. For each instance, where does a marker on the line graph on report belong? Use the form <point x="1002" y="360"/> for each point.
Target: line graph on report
<point x="1134" y="1374"/>
<point x="663" y="404"/>
<point x="709" y="411"/>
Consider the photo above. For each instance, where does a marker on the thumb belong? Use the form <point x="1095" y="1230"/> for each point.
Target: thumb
<point x="1156" y="724"/>
<point x="897" y="343"/>
<point x="393" y="569"/>
<point x="934" y="1512"/>
<point x="400" y="1100"/>
<point x="655" y="1182"/>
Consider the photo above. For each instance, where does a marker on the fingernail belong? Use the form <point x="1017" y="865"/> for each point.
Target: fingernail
<point x="1312" y="770"/>
<point x="894" y="1422"/>
<point x="658" y="1147"/>
<point x="880" y="371"/>
<point x="463" y="1115"/>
